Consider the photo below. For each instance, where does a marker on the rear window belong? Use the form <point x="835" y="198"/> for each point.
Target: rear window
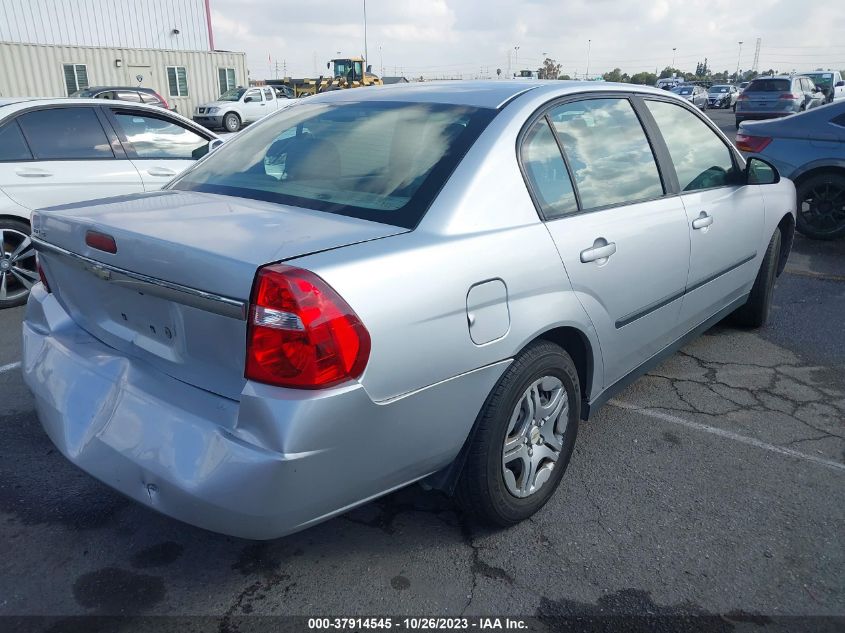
<point x="768" y="85"/>
<point x="379" y="161"/>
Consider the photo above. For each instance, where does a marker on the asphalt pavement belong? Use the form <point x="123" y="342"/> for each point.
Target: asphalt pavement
<point x="713" y="485"/>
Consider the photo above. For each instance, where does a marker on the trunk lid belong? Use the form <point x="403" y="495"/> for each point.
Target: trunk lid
<point x="175" y="293"/>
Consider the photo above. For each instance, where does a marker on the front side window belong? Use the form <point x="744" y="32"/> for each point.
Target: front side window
<point x="65" y="134"/>
<point x="252" y="95"/>
<point x="177" y="81"/>
<point x="76" y="77"/>
<point x="154" y="137"/>
<point x="12" y="143"/>
<point x="234" y="94"/>
<point x="226" y="79"/>
<point x="547" y="173"/>
<point x="608" y="152"/>
<point x="701" y="159"/>
<point x="379" y="161"/>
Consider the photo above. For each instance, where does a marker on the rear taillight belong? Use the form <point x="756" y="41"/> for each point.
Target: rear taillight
<point x="101" y="241"/>
<point x="742" y="97"/>
<point x="301" y="333"/>
<point x="754" y="144"/>
<point x="41" y="274"/>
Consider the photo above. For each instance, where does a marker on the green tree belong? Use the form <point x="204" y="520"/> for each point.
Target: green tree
<point x="613" y="75"/>
<point x="668" y="72"/>
<point x="644" y="78"/>
<point x="550" y="69"/>
<point x="564" y="77"/>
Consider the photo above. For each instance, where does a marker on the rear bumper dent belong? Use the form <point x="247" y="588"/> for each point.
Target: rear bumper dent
<point x="273" y="463"/>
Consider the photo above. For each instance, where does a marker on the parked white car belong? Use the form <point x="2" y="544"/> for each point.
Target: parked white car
<point x="61" y="151"/>
<point x="238" y="107"/>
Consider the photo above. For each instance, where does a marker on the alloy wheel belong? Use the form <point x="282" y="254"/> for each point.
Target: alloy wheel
<point x="534" y="438"/>
<point x="18" y="272"/>
<point x="823" y="208"/>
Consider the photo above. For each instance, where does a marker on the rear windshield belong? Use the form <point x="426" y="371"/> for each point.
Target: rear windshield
<point x="718" y="89"/>
<point x="821" y="79"/>
<point x="768" y="85"/>
<point x="379" y="161"/>
<point x="683" y="91"/>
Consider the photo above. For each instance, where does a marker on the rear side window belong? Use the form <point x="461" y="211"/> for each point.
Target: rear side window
<point x="152" y="137"/>
<point x="12" y="144"/>
<point x="128" y="95"/>
<point x="769" y="85"/>
<point x="65" y="134"/>
<point x="380" y="161"/>
<point x="701" y="159"/>
<point x="146" y="97"/>
<point x="547" y="173"/>
<point x="608" y="152"/>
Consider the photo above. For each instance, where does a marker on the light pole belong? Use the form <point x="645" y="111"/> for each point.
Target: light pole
<point x="516" y="57"/>
<point x="380" y="60"/>
<point x="673" y="56"/>
<point x="366" y="57"/>
<point x="738" y="57"/>
<point x="587" y="74"/>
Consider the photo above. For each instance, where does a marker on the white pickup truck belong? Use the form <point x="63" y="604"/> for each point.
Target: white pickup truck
<point x="238" y="107"/>
<point x="831" y="83"/>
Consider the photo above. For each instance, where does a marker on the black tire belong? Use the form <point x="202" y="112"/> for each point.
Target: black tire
<point x="231" y="122"/>
<point x="821" y="206"/>
<point x="16" y="293"/>
<point x="481" y="489"/>
<point x="755" y="312"/>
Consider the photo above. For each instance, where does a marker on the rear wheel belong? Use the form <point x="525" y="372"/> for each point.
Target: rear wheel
<point x="18" y="272"/>
<point x="821" y="206"/>
<point x="232" y="122"/>
<point x="524" y="437"/>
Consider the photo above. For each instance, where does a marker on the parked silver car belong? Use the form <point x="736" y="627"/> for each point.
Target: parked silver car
<point x="773" y="97"/>
<point x="696" y="95"/>
<point x="375" y="287"/>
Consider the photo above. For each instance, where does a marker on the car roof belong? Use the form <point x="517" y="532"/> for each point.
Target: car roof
<point x="12" y="105"/>
<point x="481" y="94"/>
<point x="95" y="88"/>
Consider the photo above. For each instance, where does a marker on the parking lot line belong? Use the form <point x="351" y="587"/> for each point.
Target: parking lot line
<point x="668" y="417"/>
<point x="10" y="367"/>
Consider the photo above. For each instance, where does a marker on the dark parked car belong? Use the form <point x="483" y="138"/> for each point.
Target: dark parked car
<point x="122" y="93"/>
<point x="809" y="149"/>
<point x="696" y="95"/>
<point x="772" y="97"/>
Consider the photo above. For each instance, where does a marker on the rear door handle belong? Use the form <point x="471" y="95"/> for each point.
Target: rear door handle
<point x="702" y="221"/>
<point x="32" y="172"/>
<point x="601" y="249"/>
<point x="161" y="171"/>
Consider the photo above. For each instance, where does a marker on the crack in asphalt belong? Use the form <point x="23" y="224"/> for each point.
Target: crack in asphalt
<point x="780" y="391"/>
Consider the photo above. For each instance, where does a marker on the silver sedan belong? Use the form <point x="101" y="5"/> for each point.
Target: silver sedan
<point x="381" y="286"/>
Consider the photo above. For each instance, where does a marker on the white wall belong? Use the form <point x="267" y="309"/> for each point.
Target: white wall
<point x="32" y="70"/>
<point x="110" y="23"/>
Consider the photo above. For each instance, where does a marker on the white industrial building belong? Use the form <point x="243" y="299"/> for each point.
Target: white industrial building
<point x="51" y="49"/>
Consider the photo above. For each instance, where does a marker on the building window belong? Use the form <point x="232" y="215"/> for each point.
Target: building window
<point x="226" y="78"/>
<point x="76" y="77"/>
<point x="177" y="80"/>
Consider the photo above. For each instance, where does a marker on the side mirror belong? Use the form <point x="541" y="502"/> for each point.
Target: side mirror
<point x="760" y="172"/>
<point x="328" y="65"/>
<point x="214" y="144"/>
<point x="369" y="68"/>
<point x="248" y="99"/>
<point x="840" y="84"/>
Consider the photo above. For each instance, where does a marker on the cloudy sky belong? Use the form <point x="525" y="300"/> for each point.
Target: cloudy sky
<point x="445" y="38"/>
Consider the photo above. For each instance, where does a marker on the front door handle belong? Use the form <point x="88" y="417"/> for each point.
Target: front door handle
<point x="702" y="221"/>
<point x="601" y="250"/>
<point x="32" y="172"/>
<point x="161" y="171"/>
